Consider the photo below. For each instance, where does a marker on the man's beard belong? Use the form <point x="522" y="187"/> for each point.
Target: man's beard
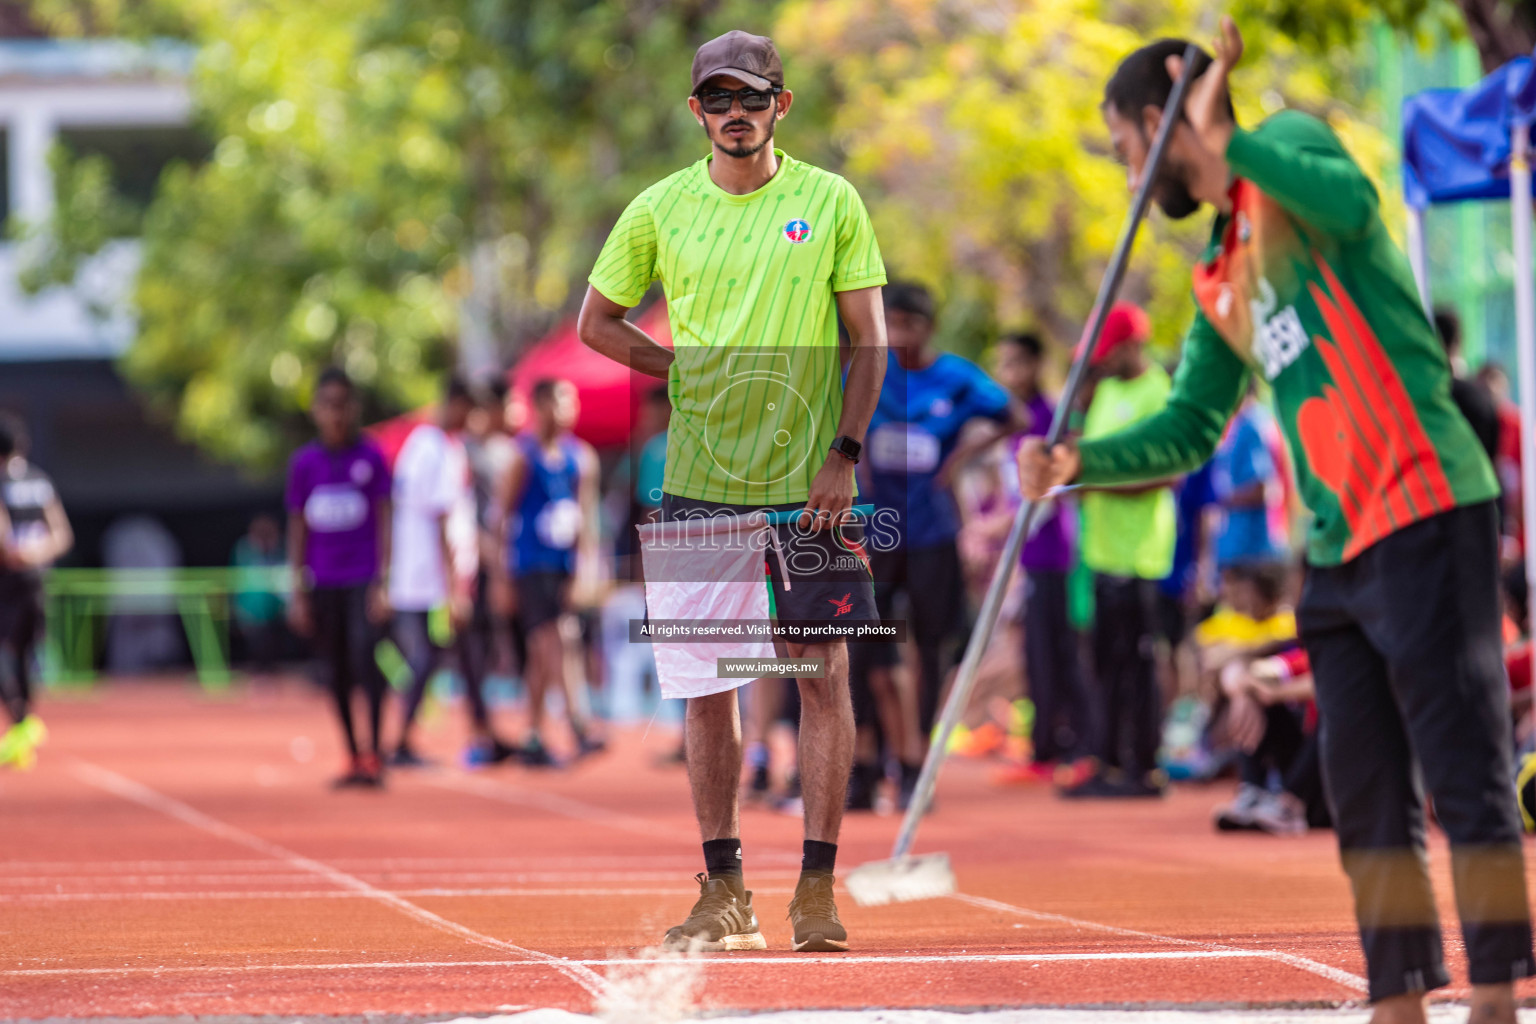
<point x="740" y="149"/>
<point x="1172" y="194"/>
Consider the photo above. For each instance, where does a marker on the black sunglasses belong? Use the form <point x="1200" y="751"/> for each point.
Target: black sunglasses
<point x="720" y="101"/>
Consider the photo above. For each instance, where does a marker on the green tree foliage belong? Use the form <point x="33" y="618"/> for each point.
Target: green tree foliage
<point x="976" y="131"/>
<point x="379" y="164"/>
<point x="1501" y="29"/>
<point x="367" y="155"/>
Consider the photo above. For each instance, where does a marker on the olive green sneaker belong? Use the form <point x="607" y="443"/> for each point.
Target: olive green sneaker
<point x="722" y="919"/>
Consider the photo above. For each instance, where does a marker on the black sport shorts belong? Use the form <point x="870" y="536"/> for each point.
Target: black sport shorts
<point x="828" y="569"/>
<point x="542" y="596"/>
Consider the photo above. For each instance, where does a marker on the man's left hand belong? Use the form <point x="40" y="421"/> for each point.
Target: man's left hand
<point x="831" y="494"/>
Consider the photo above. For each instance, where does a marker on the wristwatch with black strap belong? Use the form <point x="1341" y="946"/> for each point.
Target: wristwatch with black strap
<point x="847" y="447"/>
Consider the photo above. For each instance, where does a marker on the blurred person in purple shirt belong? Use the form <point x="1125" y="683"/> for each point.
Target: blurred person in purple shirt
<point x="338" y="545"/>
<point x="1063" y="714"/>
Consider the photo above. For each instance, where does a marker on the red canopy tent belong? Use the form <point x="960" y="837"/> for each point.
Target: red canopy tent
<point x="610" y="392"/>
<point x="390" y="434"/>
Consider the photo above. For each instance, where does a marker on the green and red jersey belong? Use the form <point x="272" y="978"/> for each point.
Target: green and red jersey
<point x="1302" y="284"/>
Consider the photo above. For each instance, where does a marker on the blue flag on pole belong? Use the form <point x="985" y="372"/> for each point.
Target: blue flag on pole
<point x="1456" y="141"/>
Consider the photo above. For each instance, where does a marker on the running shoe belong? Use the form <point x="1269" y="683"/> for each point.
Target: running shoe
<point x="1280" y="814"/>
<point x="357" y="776"/>
<point x="1024" y="773"/>
<point x="983" y="741"/>
<point x="722" y="919"/>
<point x="34" y="729"/>
<point x="17" y="749"/>
<point x="1018" y="748"/>
<point x="814" y="915"/>
<point x="588" y="745"/>
<point x="1153" y="783"/>
<point x="11" y="743"/>
<point x="1116" y="785"/>
<point x="1237" y="816"/>
<point x="373" y="768"/>
<point x="488" y="752"/>
<point x="1073" y="773"/>
<point x="406" y="757"/>
<point x="535" y="755"/>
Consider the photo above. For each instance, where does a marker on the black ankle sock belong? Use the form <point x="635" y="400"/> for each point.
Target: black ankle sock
<point x="722" y="859"/>
<point x="819" y="858"/>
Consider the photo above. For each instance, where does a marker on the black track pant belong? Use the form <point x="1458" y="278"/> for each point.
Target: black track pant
<point x="935" y="588"/>
<point x="1124" y="662"/>
<point x="344" y="641"/>
<point x="1063" y="722"/>
<point x="413" y="635"/>
<point x="21" y="619"/>
<point x="1405" y="649"/>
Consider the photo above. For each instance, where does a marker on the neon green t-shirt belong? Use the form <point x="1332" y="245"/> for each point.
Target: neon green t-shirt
<point x="756" y="387"/>
<point x="1128" y="534"/>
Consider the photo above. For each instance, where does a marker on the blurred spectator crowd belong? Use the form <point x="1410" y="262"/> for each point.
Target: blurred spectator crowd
<point x="481" y="553"/>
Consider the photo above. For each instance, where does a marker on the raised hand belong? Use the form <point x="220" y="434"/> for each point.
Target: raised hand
<point x="1206" y="103"/>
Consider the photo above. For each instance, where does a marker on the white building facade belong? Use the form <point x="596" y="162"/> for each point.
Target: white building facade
<point x="51" y="90"/>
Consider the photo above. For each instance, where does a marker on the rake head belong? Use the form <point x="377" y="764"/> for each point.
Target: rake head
<point x="901" y="880"/>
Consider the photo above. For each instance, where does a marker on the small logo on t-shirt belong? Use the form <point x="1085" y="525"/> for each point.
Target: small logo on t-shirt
<point x="361" y="472"/>
<point x="1244" y="227"/>
<point x="798" y="231"/>
<point x="941" y="407"/>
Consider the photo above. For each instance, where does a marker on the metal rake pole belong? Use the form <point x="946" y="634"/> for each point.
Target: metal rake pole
<point x="1109" y="287"/>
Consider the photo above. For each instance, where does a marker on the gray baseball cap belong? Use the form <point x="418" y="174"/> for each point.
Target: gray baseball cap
<point x="748" y="58"/>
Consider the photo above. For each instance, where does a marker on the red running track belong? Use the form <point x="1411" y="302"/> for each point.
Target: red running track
<point x="180" y="854"/>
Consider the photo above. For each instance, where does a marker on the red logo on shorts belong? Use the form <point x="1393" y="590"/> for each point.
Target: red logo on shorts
<point x="844" y="604"/>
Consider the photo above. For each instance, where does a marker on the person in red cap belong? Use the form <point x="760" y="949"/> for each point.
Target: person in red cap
<point x="1127" y="541"/>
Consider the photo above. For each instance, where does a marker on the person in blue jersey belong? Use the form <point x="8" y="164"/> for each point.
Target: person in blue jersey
<point x="549" y="508"/>
<point x="915" y="443"/>
<point x="1249" y="491"/>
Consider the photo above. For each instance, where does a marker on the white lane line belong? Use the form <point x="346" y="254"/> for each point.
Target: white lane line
<point x="602" y="816"/>
<point x="137" y="792"/>
<point x="1333" y="974"/>
<point x="357" y="864"/>
<point x="344" y="894"/>
<point x="787" y="960"/>
<point x="503" y="877"/>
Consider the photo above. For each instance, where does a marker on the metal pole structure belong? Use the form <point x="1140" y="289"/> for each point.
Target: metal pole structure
<point x="991" y="605"/>
<point x="1418" y="258"/>
<point x="1525" y="339"/>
